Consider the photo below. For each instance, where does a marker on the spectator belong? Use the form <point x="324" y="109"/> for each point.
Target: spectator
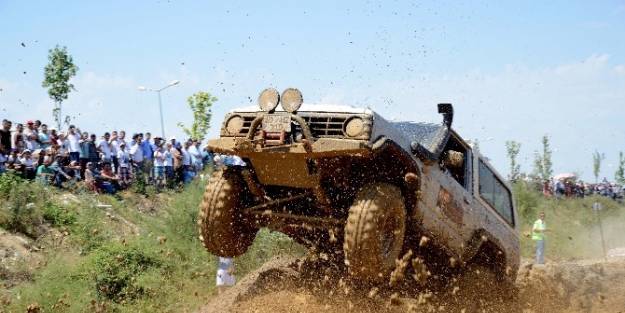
<point x="30" y="128"/>
<point x="187" y="164"/>
<point x="148" y="153"/>
<point x="159" y="166"/>
<point x="109" y="182"/>
<point x="31" y="142"/>
<point x="169" y="164"/>
<point x="123" y="170"/>
<point x="44" y="137"/>
<point x="45" y="173"/>
<point x="5" y="137"/>
<point x="3" y="159"/>
<point x="17" y="139"/>
<point x="27" y="164"/>
<point x="176" y="153"/>
<point x="137" y="155"/>
<point x="104" y="148"/>
<point x="73" y="143"/>
<point x="225" y="274"/>
<point x="91" y="175"/>
<point x="94" y="154"/>
<point x="83" y="155"/>
<point x="114" y="145"/>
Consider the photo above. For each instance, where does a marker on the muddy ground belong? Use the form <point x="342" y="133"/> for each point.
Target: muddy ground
<point x="311" y="286"/>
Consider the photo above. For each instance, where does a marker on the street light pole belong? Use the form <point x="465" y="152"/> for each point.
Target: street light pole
<point x="160" y="108"/>
<point x="160" y="101"/>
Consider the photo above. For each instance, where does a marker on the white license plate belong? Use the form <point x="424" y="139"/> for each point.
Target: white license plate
<point x="277" y="123"/>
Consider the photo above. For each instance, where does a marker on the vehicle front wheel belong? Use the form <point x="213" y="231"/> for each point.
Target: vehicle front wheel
<point x="224" y="230"/>
<point x="374" y="232"/>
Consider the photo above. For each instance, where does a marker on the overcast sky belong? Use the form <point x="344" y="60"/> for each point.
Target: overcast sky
<point x="514" y="70"/>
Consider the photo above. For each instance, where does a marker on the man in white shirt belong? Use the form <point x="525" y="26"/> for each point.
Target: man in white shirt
<point x="73" y="143"/>
<point x="104" y="148"/>
<point x="136" y="154"/>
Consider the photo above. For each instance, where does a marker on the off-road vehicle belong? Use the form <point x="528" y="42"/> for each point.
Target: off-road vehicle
<point x="346" y="181"/>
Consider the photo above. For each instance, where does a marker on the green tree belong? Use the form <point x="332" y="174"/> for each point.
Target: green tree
<point x="619" y="176"/>
<point x="597" y="158"/>
<point x="513" y="148"/>
<point x="200" y="103"/>
<point x="57" y="73"/>
<point x="543" y="167"/>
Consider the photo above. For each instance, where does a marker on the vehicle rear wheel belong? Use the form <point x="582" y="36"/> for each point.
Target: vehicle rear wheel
<point x="374" y="232"/>
<point x="224" y="230"/>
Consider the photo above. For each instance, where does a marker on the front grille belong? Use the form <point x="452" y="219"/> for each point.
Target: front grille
<point x="328" y="127"/>
<point x="322" y="125"/>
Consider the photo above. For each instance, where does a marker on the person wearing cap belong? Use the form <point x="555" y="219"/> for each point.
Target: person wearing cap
<point x="30" y="128"/>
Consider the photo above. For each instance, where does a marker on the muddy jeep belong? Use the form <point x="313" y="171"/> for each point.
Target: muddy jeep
<point x="346" y="181"/>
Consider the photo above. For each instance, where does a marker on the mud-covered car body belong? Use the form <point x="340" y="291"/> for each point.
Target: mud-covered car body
<point x="306" y="169"/>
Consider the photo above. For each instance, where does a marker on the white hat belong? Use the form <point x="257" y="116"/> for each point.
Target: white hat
<point x="172" y="138"/>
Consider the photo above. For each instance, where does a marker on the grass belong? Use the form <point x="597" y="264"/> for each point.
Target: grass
<point x="131" y="254"/>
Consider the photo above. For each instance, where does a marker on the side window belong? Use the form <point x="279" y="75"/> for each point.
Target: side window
<point x="493" y="191"/>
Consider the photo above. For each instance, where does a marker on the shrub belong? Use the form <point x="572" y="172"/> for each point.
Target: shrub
<point x="57" y="215"/>
<point x="20" y="209"/>
<point x="116" y="269"/>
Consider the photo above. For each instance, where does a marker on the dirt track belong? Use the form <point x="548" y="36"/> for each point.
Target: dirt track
<point x="283" y="285"/>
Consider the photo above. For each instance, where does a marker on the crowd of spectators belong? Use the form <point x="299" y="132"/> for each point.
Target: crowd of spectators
<point x="571" y="187"/>
<point x="106" y="164"/>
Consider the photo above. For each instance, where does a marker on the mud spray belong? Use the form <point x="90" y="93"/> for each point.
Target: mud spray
<point x="313" y="286"/>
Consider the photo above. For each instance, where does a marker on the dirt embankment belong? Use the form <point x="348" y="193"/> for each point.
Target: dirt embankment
<point x="287" y="285"/>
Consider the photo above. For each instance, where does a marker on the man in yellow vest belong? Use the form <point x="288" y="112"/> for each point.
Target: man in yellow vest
<point x="538" y="235"/>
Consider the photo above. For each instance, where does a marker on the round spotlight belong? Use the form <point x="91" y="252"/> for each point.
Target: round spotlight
<point x="268" y="99"/>
<point x="234" y="125"/>
<point x="355" y="127"/>
<point x="291" y="100"/>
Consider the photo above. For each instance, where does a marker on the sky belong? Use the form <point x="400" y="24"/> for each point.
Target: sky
<point x="514" y="70"/>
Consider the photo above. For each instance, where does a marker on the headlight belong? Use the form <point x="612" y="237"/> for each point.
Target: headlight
<point x="354" y="127"/>
<point x="291" y="100"/>
<point x="268" y="99"/>
<point x="234" y="125"/>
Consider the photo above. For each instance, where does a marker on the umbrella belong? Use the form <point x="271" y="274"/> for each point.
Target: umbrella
<point x="565" y="176"/>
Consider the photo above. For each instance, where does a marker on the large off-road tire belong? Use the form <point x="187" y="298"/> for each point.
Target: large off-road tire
<point x="374" y="232"/>
<point x="224" y="230"/>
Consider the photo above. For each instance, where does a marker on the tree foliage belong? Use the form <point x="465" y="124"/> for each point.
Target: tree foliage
<point x="543" y="167"/>
<point x="619" y="175"/>
<point x="200" y="103"/>
<point x="513" y="148"/>
<point x="597" y="158"/>
<point x="57" y="73"/>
